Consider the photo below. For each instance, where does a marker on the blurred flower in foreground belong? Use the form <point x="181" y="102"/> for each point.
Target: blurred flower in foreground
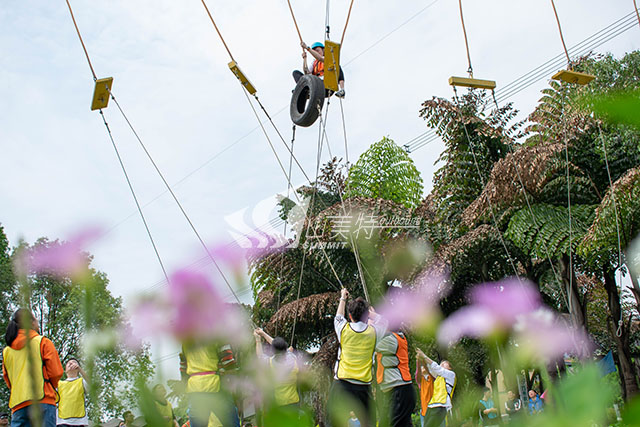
<point x="59" y="259"/>
<point x="190" y="309"/>
<point x="513" y="307"/>
<point x="415" y="307"/>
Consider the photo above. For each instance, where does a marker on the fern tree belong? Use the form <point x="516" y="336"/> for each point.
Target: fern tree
<point x="387" y="172"/>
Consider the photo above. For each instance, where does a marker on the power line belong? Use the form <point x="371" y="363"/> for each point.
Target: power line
<point x="595" y="40"/>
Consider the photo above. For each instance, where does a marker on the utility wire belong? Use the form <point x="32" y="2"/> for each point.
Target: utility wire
<point x="595" y="40"/>
<point x="135" y="198"/>
<point x="175" y="198"/>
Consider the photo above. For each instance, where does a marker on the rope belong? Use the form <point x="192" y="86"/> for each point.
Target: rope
<point x="295" y="22"/>
<point x="326" y="22"/>
<point x="635" y="6"/>
<point x="555" y="12"/>
<point x="135" y="198"/>
<point x="615" y="210"/>
<point x="466" y="41"/>
<point x="590" y="43"/>
<point x="347" y="23"/>
<point x="533" y="216"/>
<point x="566" y="149"/>
<point x="82" y="42"/>
<point x="475" y="161"/>
<point x="217" y="30"/>
<point x="293" y="138"/>
<point x="175" y="198"/>
<point x="113" y="143"/>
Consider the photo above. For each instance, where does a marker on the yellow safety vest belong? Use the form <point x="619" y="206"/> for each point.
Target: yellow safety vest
<point x="166" y="412"/>
<point x="71" y="399"/>
<point x="23" y="382"/>
<point x="202" y="369"/>
<point x="440" y="391"/>
<point x="286" y="391"/>
<point x="356" y="354"/>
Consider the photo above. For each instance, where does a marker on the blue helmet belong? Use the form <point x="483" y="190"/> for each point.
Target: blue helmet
<point x="317" y="44"/>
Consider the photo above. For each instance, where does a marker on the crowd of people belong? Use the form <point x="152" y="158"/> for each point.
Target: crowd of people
<point x="369" y="354"/>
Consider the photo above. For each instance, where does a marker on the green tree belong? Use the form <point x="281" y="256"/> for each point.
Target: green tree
<point x="69" y="309"/>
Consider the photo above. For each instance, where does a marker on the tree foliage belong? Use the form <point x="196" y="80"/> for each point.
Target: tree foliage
<point x="387" y="172"/>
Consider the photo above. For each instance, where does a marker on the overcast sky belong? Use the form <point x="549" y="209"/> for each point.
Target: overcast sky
<point x="170" y="74"/>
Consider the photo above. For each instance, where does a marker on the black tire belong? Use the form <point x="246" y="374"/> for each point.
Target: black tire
<point x="307" y="100"/>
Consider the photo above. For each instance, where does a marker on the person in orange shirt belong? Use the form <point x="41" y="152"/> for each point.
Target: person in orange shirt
<point x="21" y="371"/>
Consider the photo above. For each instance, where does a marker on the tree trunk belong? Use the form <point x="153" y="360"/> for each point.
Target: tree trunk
<point x="620" y="336"/>
<point x="570" y="282"/>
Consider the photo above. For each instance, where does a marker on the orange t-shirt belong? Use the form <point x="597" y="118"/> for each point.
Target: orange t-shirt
<point x="51" y="367"/>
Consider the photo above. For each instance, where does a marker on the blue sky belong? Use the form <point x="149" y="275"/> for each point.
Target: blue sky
<point x="60" y="171"/>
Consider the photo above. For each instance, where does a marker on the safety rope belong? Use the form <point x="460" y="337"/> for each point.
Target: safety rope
<point x="284" y="233"/>
<point x="175" y="198"/>
<point x="555" y="12"/>
<point x="326" y="23"/>
<point x="615" y="210"/>
<point x="295" y="23"/>
<point x="635" y="6"/>
<point x="135" y="198"/>
<point x="466" y="41"/>
<point x="475" y="161"/>
<point x="95" y="77"/>
<point x="217" y="30"/>
<point x="113" y="143"/>
<point x="347" y="23"/>
<point x="566" y="149"/>
<point x="533" y="216"/>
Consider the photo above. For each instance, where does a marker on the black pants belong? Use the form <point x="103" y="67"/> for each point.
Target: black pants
<point x="435" y="417"/>
<point x="402" y="402"/>
<point x="297" y="74"/>
<point x="344" y="397"/>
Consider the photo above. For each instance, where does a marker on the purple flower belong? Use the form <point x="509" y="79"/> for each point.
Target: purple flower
<point x="494" y="308"/>
<point x="471" y="321"/>
<point x="507" y="299"/>
<point x="60" y="259"/>
<point x="197" y="309"/>
<point x="542" y="334"/>
<point x="415" y="307"/>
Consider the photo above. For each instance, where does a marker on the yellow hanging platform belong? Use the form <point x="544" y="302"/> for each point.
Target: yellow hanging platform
<point x="101" y="93"/>
<point x="570" y="76"/>
<point x="244" y="81"/>
<point x="474" y="83"/>
<point x="331" y="65"/>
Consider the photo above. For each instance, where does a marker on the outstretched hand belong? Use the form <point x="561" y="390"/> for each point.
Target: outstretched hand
<point x="344" y="293"/>
<point x="304" y="46"/>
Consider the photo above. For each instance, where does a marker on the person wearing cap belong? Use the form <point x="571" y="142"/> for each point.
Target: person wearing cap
<point x="72" y="410"/>
<point x="4" y="419"/>
<point x="317" y="68"/>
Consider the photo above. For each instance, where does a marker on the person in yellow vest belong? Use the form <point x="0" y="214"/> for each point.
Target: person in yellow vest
<point x="163" y="406"/>
<point x="394" y="378"/>
<point x="72" y="410"/>
<point x="284" y="367"/>
<point x="31" y="368"/>
<point x="353" y="371"/>
<point x="206" y="398"/>
<point x="444" y="383"/>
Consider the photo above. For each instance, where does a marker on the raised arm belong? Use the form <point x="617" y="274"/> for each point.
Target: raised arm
<point x="344" y="294"/>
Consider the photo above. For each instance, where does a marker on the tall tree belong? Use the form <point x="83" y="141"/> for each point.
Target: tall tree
<point x="69" y="310"/>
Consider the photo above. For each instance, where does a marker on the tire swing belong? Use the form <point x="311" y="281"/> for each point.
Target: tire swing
<point x="307" y="100"/>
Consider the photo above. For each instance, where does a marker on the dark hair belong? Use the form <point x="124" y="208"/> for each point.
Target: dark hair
<point x="70" y="358"/>
<point x="279" y="345"/>
<point x="14" y="324"/>
<point x="126" y="413"/>
<point x="358" y="309"/>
